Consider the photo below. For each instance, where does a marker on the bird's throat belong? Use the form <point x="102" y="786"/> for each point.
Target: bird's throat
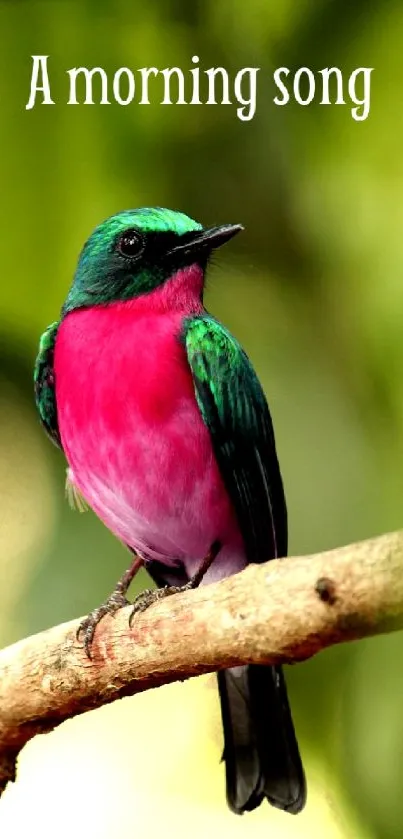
<point x="181" y="292"/>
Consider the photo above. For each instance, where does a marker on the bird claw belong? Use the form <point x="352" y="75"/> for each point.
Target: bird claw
<point x="86" y="630"/>
<point x="117" y="599"/>
<point x="150" y="596"/>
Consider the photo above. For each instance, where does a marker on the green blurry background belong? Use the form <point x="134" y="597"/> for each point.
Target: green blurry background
<point x="314" y="291"/>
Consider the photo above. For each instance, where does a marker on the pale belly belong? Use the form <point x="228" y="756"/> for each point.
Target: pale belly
<point x="166" y="503"/>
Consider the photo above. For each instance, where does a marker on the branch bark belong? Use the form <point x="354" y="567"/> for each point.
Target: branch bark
<point x="280" y="612"/>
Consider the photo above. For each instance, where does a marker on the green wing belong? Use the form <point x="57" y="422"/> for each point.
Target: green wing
<point x="44" y="381"/>
<point x="236" y="413"/>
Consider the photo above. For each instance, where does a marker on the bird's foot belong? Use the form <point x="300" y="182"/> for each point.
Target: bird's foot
<point x="151" y="595"/>
<point x="117" y="600"/>
<point x="86" y="630"/>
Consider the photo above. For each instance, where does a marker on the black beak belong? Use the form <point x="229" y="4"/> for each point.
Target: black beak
<point x="202" y="241"/>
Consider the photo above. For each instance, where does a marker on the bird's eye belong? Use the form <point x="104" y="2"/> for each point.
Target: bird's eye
<point x="130" y="243"/>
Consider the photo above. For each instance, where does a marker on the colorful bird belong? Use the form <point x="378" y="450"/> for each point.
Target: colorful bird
<point x="168" y="437"/>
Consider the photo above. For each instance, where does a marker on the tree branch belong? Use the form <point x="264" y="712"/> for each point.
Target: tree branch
<point x="281" y="611"/>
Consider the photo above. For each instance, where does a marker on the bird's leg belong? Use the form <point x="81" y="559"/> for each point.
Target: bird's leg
<point x="195" y="581"/>
<point x="117" y="600"/>
<point x="150" y="596"/>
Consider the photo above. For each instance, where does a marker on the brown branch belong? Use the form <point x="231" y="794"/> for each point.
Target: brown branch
<point x="282" y="611"/>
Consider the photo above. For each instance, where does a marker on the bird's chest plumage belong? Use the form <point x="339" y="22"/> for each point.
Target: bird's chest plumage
<point x="132" y="432"/>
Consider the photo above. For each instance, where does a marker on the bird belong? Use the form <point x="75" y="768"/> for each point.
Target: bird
<point x="168" y="437"/>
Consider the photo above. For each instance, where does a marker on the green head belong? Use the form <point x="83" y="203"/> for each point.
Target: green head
<point x="135" y="251"/>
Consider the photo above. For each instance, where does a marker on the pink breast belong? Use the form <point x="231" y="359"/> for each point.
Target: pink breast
<point x="133" y="434"/>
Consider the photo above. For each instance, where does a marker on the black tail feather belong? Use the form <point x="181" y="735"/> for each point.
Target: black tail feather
<point x="260" y="748"/>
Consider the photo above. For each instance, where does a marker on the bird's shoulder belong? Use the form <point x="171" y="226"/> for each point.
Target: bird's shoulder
<point x="216" y="356"/>
<point x="203" y="331"/>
